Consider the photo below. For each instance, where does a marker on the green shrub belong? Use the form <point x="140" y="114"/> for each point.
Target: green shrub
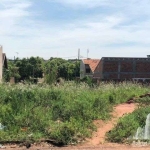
<point x="144" y="101"/>
<point x="127" y="126"/>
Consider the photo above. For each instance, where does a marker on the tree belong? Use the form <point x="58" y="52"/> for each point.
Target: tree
<point x="12" y="71"/>
<point x="30" y="68"/>
<point x="34" y="67"/>
<point x="57" y="67"/>
<point x="50" y="70"/>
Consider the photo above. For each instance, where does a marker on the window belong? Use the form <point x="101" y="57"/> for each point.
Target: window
<point x="88" y="70"/>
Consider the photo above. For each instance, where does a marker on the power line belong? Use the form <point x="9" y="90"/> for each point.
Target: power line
<point x="69" y="57"/>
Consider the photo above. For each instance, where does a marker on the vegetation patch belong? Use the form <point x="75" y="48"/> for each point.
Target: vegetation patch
<point x="63" y="114"/>
<point x="127" y="126"/>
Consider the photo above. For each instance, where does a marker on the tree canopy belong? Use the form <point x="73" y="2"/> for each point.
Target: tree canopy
<point x="36" y="67"/>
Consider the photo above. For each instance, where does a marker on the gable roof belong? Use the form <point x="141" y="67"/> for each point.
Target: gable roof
<point x="92" y="63"/>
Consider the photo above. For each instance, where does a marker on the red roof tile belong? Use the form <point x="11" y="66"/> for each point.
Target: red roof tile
<point x="92" y="63"/>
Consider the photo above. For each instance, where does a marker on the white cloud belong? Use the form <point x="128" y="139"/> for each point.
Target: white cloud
<point x="11" y="15"/>
<point x="20" y="32"/>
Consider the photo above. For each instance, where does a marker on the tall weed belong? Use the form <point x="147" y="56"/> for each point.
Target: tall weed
<point x="62" y="113"/>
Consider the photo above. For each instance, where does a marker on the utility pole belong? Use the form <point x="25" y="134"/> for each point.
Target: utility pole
<point x="87" y="52"/>
<point x="17" y="54"/>
<point x="78" y="54"/>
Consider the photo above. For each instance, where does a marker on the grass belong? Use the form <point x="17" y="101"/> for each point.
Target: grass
<point x="128" y="125"/>
<point x="63" y="114"/>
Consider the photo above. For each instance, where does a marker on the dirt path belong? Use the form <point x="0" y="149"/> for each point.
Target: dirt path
<point x="103" y="127"/>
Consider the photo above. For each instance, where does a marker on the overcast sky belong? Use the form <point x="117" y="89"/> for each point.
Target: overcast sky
<point x="58" y="28"/>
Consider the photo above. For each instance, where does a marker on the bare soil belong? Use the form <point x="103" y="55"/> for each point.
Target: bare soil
<point x="103" y="127"/>
<point x="98" y="141"/>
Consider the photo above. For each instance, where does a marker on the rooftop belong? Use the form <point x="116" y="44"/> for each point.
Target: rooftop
<point x="125" y="58"/>
<point x="92" y="63"/>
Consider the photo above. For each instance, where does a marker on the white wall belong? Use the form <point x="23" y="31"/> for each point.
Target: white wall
<point x="82" y="69"/>
<point x="1" y="60"/>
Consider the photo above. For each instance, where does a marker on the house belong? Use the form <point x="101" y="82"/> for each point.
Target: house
<point x="89" y="67"/>
<point x="117" y="68"/>
<point x="125" y="68"/>
<point x="3" y="62"/>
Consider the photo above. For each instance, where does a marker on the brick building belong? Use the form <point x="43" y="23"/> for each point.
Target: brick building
<point x="123" y="68"/>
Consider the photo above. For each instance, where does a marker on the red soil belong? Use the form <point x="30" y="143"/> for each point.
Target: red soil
<point x="103" y="127"/>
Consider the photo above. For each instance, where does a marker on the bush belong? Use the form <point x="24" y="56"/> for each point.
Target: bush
<point x="127" y="126"/>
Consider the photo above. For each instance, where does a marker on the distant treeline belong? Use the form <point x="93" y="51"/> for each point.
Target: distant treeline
<point x="29" y="69"/>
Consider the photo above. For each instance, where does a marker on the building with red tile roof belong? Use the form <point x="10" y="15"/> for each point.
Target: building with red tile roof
<point x="92" y="63"/>
<point x="88" y="67"/>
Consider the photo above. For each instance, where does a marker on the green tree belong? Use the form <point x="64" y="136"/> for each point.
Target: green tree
<point x="30" y="67"/>
<point x="57" y="67"/>
<point x="50" y="70"/>
<point x="12" y="71"/>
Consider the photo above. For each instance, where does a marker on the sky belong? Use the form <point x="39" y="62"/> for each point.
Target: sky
<point x="58" y="28"/>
